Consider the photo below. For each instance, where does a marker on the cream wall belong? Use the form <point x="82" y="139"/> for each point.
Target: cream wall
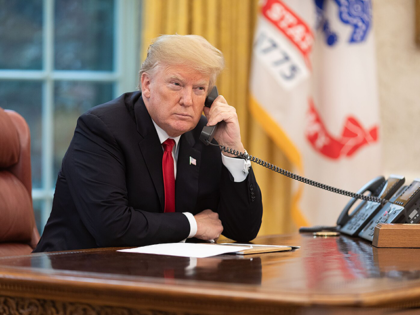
<point x="398" y="67"/>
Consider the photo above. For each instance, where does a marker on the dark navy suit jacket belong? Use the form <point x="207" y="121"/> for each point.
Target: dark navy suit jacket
<point x="110" y="190"/>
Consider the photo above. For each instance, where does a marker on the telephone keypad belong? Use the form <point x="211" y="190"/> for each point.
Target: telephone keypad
<point x="388" y="214"/>
<point x="353" y="226"/>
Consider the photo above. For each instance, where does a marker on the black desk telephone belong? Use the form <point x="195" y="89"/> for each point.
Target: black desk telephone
<point x="352" y="224"/>
<point x="402" y="207"/>
<point x="387" y="201"/>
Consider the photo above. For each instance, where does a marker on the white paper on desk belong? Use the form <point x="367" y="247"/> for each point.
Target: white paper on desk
<point x="185" y="249"/>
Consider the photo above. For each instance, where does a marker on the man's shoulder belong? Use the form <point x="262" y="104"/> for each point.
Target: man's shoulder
<point x="118" y="107"/>
<point x="117" y="115"/>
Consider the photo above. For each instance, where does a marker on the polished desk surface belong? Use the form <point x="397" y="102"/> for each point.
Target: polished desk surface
<point x="324" y="272"/>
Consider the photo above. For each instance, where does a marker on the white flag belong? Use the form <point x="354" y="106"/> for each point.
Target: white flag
<point x="313" y="86"/>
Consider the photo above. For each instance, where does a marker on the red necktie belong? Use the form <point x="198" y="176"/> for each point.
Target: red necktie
<point x="168" y="175"/>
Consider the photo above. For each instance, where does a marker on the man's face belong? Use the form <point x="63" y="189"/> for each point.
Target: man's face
<point x="174" y="97"/>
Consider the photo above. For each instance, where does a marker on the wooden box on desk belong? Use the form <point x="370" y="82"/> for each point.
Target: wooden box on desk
<point x="396" y="235"/>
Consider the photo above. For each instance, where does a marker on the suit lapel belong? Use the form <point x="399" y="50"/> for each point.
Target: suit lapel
<point x="150" y="148"/>
<point x="188" y="169"/>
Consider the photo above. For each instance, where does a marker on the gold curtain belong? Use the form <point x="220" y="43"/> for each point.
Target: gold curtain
<point x="229" y="26"/>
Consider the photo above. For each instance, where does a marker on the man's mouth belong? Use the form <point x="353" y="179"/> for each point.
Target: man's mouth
<point x="183" y="116"/>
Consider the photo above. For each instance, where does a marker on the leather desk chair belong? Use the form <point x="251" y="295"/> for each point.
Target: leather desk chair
<point x="18" y="232"/>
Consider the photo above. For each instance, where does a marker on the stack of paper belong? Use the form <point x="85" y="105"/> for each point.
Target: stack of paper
<point x="201" y="250"/>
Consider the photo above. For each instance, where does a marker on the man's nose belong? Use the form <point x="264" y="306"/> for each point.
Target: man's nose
<point x="187" y="97"/>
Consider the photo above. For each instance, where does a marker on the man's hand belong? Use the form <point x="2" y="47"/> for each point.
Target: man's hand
<point x="209" y="227"/>
<point x="228" y="131"/>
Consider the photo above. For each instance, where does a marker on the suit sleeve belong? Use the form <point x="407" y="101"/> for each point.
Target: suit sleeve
<point x="95" y="170"/>
<point x="240" y="207"/>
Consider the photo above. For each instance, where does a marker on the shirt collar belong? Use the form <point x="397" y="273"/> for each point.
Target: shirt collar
<point x="163" y="135"/>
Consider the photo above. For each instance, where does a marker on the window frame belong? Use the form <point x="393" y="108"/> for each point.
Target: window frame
<point x="124" y="76"/>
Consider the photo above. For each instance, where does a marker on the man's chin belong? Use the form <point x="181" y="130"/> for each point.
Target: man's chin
<point x="179" y="130"/>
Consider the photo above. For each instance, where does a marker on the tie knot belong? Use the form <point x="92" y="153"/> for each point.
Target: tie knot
<point x="168" y="145"/>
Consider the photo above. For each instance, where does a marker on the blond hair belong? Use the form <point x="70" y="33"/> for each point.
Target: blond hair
<point x="192" y="50"/>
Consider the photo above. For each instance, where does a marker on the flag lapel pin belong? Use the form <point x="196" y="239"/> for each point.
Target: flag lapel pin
<point x="193" y="161"/>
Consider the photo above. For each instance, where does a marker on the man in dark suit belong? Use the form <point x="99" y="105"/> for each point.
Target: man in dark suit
<point x="112" y="189"/>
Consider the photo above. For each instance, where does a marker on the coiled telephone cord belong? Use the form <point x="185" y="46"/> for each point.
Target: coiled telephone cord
<point x="299" y="178"/>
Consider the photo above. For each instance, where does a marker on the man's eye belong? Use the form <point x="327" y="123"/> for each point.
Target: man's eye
<point x="175" y="85"/>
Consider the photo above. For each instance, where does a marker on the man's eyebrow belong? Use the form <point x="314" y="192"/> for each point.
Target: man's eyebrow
<point x="199" y="83"/>
<point x="175" y="77"/>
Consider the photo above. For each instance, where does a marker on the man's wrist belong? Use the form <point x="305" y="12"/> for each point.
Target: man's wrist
<point x="193" y="224"/>
<point x="238" y="168"/>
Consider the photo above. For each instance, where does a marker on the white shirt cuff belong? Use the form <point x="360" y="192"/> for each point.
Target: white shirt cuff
<point x="238" y="168"/>
<point x="193" y="224"/>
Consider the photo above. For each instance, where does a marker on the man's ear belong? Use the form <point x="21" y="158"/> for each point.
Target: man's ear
<point x="145" y="84"/>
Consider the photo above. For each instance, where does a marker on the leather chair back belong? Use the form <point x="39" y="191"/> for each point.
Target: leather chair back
<point x="18" y="232"/>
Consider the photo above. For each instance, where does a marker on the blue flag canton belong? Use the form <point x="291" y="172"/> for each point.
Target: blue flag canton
<point x="356" y="13"/>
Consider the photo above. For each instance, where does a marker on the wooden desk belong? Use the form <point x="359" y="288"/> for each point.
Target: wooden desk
<point x="325" y="276"/>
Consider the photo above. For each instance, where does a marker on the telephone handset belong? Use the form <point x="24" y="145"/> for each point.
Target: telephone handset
<point x="352" y="224"/>
<point x="206" y="137"/>
<point x="208" y="131"/>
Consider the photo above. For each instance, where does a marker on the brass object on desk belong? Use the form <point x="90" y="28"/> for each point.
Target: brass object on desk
<point x="326" y="234"/>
